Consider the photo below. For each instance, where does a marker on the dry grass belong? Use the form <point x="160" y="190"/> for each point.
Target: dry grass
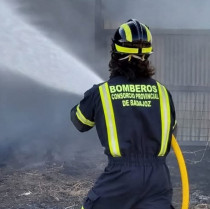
<point x="61" y="186"/>
<point x="42" y="188"/>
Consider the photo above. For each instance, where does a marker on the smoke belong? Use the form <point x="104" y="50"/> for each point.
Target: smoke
<point x="35" y="122"/>
<point x="39" y="80"/>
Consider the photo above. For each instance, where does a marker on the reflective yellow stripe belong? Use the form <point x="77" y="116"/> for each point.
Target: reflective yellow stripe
<point x="126" y="50"/>
<point x="128" y="33"/>
<point x="146" y="50"/>
<point x="82" y="207"/>
<point x="149" y="35"/>
<point x="165" y="118"/>
<point x="110" y="120"/>
<point x="82" y="118"/>
<point x="132" y="50"/>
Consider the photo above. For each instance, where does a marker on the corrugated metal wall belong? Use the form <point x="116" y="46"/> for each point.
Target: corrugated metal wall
<point x="182" y="57"/>
<point x="182" y="62"/>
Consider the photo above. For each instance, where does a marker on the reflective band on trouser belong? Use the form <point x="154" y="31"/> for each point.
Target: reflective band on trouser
<point x="83" y="119"/>
<point x="165" y="118"/>
<point x="128" y="33"/>
<point x="110" y="120"/>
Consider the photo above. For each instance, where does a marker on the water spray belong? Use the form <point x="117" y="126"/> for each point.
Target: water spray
<point x="27" y="51"/>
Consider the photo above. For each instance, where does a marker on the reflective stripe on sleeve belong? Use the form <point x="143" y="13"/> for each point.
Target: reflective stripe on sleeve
<point x="83" y="119"/>
<point x="110" y="120"/>
<point x="165" y="118"/>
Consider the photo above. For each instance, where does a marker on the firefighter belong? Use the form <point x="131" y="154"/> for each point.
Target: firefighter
<point x="134" y="117"/>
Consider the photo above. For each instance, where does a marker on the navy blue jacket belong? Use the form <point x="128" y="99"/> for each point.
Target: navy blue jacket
<point x="135" y="117"/>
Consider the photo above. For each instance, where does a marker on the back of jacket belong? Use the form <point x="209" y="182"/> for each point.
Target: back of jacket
<point x="135" y="117"/>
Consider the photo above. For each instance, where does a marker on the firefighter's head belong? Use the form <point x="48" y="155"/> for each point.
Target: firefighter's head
<point x="132" y="39"/>
<point x="131" y="47"/>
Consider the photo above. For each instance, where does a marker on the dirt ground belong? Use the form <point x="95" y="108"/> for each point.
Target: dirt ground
<point x="61" y="185"/>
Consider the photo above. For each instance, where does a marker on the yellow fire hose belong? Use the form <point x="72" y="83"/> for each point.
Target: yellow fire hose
<point x="183" y="172"/>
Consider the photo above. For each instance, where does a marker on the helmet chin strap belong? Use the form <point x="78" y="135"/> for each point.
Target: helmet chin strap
<point x="142" y="58"/>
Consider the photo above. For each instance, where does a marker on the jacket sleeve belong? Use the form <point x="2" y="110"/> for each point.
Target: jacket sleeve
<point x="82" y="114"/>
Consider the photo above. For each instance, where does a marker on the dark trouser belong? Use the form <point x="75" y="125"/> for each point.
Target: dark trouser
<point x="132" y="183"/>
